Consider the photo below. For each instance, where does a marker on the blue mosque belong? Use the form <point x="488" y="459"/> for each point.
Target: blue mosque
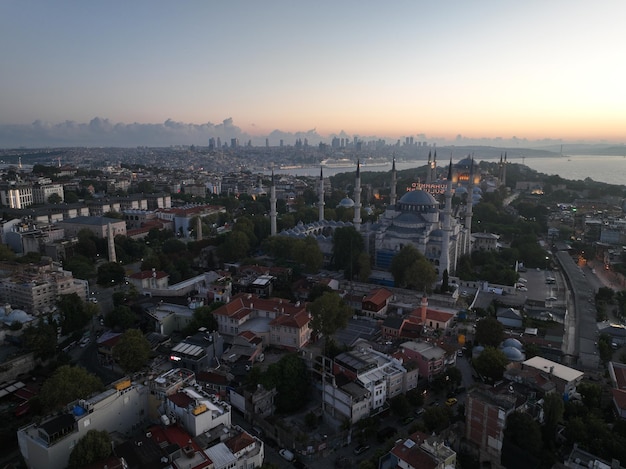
<point x="423" y="217"/>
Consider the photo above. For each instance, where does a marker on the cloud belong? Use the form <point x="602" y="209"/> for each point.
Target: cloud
<point x="101" y="132"/>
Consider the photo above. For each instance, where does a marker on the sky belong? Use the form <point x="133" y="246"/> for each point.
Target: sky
<point x="77" y="71"/>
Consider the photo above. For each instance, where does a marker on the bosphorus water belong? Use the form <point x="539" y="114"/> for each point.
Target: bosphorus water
<point x="608" y="169"/>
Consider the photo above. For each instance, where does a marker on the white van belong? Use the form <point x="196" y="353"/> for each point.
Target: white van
<point x="286" y="454"/>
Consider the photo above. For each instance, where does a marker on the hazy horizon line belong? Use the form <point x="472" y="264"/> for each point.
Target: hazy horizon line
<point x="103" y="132"/>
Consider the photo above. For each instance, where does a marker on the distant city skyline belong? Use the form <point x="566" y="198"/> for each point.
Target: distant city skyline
<point x="160" y="73"/>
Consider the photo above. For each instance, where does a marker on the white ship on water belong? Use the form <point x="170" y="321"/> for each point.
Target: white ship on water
<point x="338" y="163"/>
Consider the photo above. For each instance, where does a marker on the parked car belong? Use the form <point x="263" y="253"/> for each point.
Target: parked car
<point x="419" y="412"/>
<point x="361" y="449"/>
<point x="407" y="420"/>
<point x="286" y="454"/>
<point x="451" y="401"/>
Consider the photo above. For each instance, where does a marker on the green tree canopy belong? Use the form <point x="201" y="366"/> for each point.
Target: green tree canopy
<point x="329" y="313"/>
<point x="348" y="245"/>
<point x="203" y="317"/>
<point x="6" y="254"/>
<point x="291" y="379"/>
<point x="235" y="246"/>
<point x="74" y="313"/>
<point x="121" y="317"/>
<point x="67" y="384"/>
<point x="489" y="332"/>
<point x="81" y="267"/>
<point x="410" y="269"/>
<point x="93" y="447"/>
<point x="132" y="351"/>
<point x="437" y="418"/>
<point x="41" y="339"/>
<point x="111" y="273"/>
<point x="491" y="363"/>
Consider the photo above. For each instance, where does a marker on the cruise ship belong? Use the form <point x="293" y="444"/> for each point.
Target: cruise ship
<point x="338" y="163"/>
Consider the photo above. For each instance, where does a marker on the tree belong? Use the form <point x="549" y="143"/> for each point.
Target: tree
<point x="74" y="313"/>
<point x="41" y="339"/>
<point x="553" y="410"/>
<point x="410" y="269"/>
<point x="93" y="447"/>
<point x="400" y="405"/>
<point x="132" y="351"/>
<point x="329" y="313"/>
<point x="348" y="244"/>
<point x="235" y="246"/>
<point x="491" y="363"/>
<point x="80" y="266"/>
<point x="121" y="317"/>
<point x="364" y="267"/>
<point x="67" y="384"/>
<point x="436" y="418"/>
<point x="6" y="254"/>
<point x="71" y="197"/>
<point x="524" y="431"/>
<point x="203" y="317"/>
<point x="55" y="199"/>
<point x="110" y="273"/>
<point x="291" y="379"/>
<point x="489" y="332"/>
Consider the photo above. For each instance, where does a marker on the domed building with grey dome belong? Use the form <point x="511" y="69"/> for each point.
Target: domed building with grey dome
<point x="419" y="219"/>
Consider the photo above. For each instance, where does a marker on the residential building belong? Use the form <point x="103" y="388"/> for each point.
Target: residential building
<point x="429" y="357"/>
<point x="37" y="289"/>
<point x="345" y="400"/>
<point x="196" y="410"/>
<point x="564" y="377"/>
<point x="123" y="409"/>
<point x="422" y="451"/>
<point x="277" y="321"/>
<point x="376" y="303"/>
<point x="42" y="192"/>
<point x="198" y="352"/>
<point x="383" y="376"/>
<point x="16" y="195"/>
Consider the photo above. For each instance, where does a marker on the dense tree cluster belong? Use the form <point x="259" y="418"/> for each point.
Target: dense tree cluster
<point x="410" y="269"/>
<point x="67" y="384"/>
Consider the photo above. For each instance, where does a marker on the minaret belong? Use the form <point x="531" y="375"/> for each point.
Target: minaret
<point x="429" y="168"/>
<point x="357" y="198"/>
<point x="111" y="243"/>
<point x="468" y="209"/>
<point x="320" y="196"/>
<point x="433" y="176"/>
<point x="504" y="171"/>
<point x="394" y="182"/>
<point x="273" y="207"/>
<point x="500" y="170"/>
<point x="198" y="228"/>
<point x="444" y="262"/>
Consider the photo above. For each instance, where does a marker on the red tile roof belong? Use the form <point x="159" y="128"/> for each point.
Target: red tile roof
<point x="620" y="375"/>
<point x="297" y="320"/>
<point x="414" y="456"/>
<point x="180" y="399"/>
<point x="378" y="297"/>
<point x="239" y="442"/>
<point x="433" y="315"/>
<point x="144" y="274"/>
<point x="619" y="397"/>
